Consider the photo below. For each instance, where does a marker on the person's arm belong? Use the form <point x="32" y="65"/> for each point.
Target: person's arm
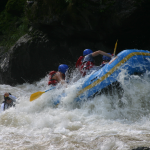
<point x="12" y="97"/>
<point x="102" y="53"/>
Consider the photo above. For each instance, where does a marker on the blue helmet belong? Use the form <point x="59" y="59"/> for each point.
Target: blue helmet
<point x="63" y="68"/>
<point x="87" y="51"/>
<point x="106" y="58"/>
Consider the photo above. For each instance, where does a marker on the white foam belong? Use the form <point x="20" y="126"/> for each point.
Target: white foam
<point x="99" y="123"/>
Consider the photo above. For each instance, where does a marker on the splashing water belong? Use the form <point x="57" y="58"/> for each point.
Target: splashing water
<point x="103" y="122"/>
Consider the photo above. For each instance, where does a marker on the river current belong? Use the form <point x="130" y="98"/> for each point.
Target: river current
<point x="100" y="123"/>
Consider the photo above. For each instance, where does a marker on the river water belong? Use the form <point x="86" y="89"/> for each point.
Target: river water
<point x="97" y="124"/>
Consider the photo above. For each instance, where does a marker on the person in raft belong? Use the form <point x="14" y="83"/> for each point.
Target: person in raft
<point x="86" y="62"/>
<point x="8" y="101"/>
<point x="56" y="77"/>
<point x="106" y="59"/>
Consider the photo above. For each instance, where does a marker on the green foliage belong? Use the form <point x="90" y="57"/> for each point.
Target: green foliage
<point x="12" y="28"/>
<point x="56" y="6"/>
<point x="45" y="9"/>
<point x="6" y="20"/>
<point x="15" y="7"/>
<point x="13" y="23"/>
<point x="107" y="4"/>
<point x="99" y="6"/>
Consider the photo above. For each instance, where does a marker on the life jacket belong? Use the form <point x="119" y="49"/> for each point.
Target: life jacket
<point x="53" y="81"/>
<point x="85" y="67"/>
<point x="79" y="62"/>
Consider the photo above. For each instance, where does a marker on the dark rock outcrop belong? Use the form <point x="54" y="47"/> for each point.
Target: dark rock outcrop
<point x="32" y="57"/>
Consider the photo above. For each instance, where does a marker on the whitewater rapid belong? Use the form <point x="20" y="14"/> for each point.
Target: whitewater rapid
<point x="100" y="123"/>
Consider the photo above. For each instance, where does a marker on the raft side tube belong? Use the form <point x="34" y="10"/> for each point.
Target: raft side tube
<point x="132" y="61"/>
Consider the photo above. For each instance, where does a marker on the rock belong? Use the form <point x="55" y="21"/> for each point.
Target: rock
<point x="31" y="58"/>
<point x="141" y="148"/>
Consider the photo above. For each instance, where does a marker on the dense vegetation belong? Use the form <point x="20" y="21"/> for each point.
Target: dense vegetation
<point x="15" y="15"/>
<point x="13" y="22"/>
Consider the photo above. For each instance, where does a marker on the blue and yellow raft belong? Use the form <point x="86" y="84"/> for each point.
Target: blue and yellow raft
<point x="132" y="61"/>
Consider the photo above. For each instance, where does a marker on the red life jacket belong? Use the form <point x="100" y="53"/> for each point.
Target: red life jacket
<point x="53" y="81"/>
<point x="79" y="62"/>
<point x="83" y="67"/>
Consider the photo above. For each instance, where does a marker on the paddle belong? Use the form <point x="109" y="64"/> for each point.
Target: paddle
<point x="115" y="48"/>
<point x="38" y="94"/>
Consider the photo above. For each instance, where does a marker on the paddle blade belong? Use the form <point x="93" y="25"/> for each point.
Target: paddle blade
<point x="36" y="95"/>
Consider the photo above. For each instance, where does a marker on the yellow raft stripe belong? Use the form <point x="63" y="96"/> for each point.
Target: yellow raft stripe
<point x="111" y="71"/>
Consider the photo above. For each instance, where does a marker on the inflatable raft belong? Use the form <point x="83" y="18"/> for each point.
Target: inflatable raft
<point x="131" y="61"/>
